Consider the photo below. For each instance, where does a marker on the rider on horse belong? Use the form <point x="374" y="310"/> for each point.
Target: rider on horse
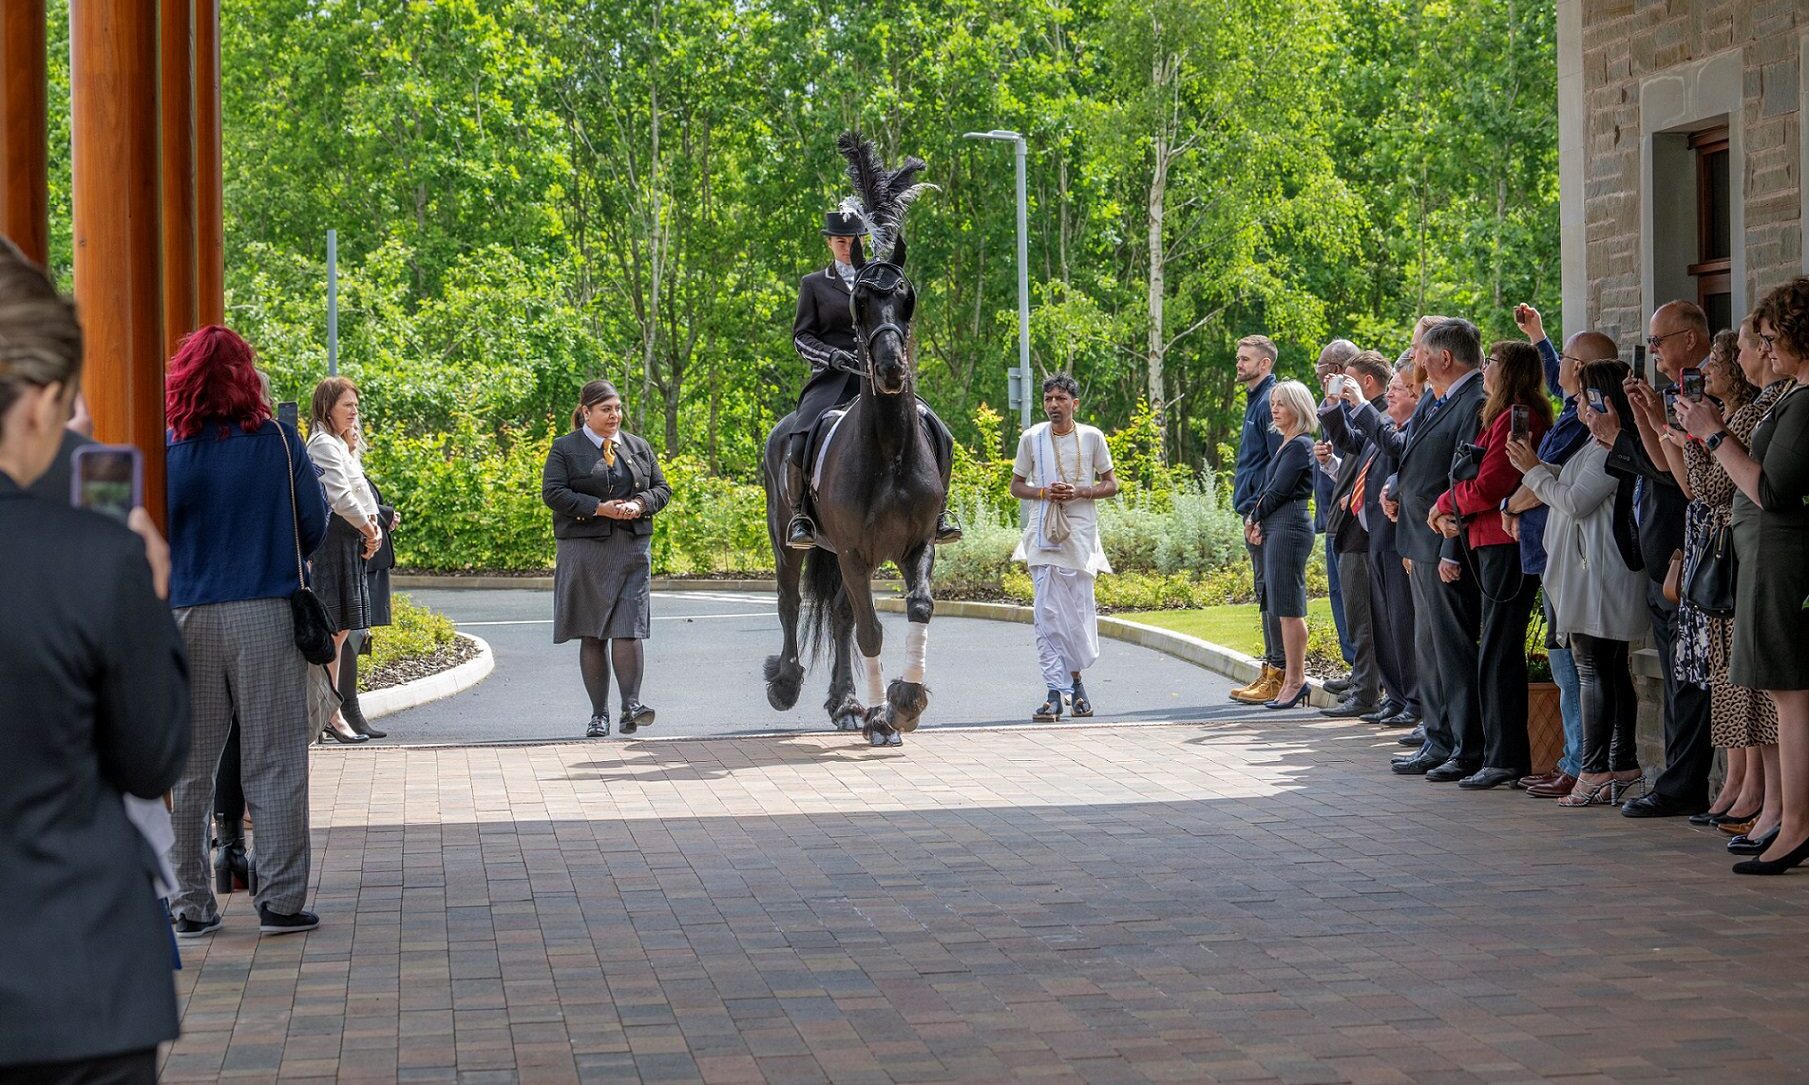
<point x="823" y="333"/>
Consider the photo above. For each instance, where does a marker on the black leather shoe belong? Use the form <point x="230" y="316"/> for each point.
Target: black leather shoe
<point x="599" y="727"/>
<point x="1338" y="685"/>
<point x="1401" y="719"/>
<point x="1415" y="737"/>
<point x="946" y="531"/>
<point x="801" y="533"/>
<point x="1347" y="709"/>
<point x="1791" y="859"/>
<point x="1654" y="805"/>
<point x="635" y="716"/>
<point x="1449" y="771"/>
<point x="1382" y="712"/>
<point x="1752" y="845"/>
<point x="1484" y="779"/>
<point x="270" y="922"/>
<point x="1418" y="765"/>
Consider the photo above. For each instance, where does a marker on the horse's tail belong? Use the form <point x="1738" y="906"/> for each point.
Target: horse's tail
<point x="823" y="595"/>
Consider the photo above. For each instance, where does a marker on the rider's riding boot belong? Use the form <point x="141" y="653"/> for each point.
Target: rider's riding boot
<point x="947" y="531"/>
<point x="801" y="532"/>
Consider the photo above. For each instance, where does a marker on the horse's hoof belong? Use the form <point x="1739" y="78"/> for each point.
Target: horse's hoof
<point x="850" y="721"/>
<point x="894" y="739"/>
<point x="875" y="738"/>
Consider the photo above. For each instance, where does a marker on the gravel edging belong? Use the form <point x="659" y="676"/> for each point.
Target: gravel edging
<point x="476" y="666"/>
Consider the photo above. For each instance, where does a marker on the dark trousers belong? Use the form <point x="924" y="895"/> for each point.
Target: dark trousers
<point x="1508" y="596"/>
<point x="1272" y="650"/>
<point x="1359" y="621"/>
<point x="1610" y="708"/>
<point x="1391" y="610"/>
<point x="1447" y="630"/>
<point x="1688" y="750"/>
<point x="1334" y="587"/>
<point x="131" y="1068"/>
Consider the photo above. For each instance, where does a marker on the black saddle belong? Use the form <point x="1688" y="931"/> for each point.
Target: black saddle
<point x="813" y="445"/>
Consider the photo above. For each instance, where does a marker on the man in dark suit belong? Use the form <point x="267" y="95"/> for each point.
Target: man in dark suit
<point x="1332" y="360"/>
<point x="823" y="333"/>
<point x="1679" y="338"/>
<point x="1346" y="536"/>
<point x="93" y="707"/>
<point x="1447" y="604"/>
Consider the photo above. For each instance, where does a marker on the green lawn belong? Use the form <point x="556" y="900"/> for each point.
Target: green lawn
<point x="1234" y="627"/>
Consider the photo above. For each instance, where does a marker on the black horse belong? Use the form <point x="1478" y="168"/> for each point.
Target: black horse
<point x="879" y="491"/>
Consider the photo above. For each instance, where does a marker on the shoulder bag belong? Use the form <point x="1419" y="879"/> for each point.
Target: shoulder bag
<point x="1711" y="585"/>
<point x="313" y="629"/>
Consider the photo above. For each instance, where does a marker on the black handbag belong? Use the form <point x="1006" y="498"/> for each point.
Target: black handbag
<point x="1711" y="583"/>
<point x="313" y="628"/>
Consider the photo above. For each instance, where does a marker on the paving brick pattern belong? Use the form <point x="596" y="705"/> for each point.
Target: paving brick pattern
<point x="1186" y="903"/>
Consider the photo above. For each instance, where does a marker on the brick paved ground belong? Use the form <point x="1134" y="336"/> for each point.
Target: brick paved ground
<point x="1168" y="903"/>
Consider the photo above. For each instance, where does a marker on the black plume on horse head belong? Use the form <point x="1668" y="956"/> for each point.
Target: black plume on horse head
<point x="881" y="195"/>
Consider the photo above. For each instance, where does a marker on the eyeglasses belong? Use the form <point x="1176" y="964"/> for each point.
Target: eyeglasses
<point x="1653" y="341"/>
<point x="1573" y="359"/>
<point x="1770" y="341"/>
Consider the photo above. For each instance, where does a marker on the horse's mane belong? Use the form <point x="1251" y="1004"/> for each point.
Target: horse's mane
<point x="881" y="195"/>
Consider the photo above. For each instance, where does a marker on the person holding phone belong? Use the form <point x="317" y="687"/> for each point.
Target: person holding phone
<point x="1742" y="721"/>
<point x="1771" y="539"/>
<point x="354" y="532"/>
<point x="94" y="710"/>
<point x="1515" y="408"/>
<point x="1594" y="592"/>
<point x="243" y="498"/>
<point x="604" y="486"/>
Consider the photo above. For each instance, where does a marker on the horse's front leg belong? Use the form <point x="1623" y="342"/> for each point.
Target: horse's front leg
<point x="857" y="577"/>
<point x="907" y="697"/>
<point x="845" y="709"/>
<point x="785" y="672"/>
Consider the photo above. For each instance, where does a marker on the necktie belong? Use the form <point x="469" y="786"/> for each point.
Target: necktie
<point x="1355" y="500"/>
<point x="609" y="452"/>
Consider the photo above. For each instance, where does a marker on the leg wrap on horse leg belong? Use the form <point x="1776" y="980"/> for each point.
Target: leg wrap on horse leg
<point x="917" y="640"/>
<point x="876" y="680"/>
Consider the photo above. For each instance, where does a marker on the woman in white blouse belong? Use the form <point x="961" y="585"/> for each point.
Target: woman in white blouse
<point x="353" y="531"/>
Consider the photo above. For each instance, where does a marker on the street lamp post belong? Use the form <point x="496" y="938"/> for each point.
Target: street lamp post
<point x="1023" y="273"/>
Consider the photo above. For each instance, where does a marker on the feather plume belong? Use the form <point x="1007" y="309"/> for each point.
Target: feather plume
<point x="881" y="194"/>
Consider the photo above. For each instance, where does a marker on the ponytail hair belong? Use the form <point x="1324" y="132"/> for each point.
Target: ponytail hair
<point x="593" y="393"/>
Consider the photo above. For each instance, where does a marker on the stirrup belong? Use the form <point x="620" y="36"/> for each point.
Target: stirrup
<point x="801" y="533"/>
<point x="947" y="531"/>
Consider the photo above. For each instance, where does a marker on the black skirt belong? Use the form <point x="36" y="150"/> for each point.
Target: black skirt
<point x="337" y="576"/>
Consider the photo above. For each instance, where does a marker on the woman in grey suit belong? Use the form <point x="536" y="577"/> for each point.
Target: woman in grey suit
<point x="93" y="706"/>
<point x="604" y="487"/>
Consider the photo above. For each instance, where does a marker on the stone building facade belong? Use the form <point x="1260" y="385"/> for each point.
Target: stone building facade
<point x="1648" y="92"/>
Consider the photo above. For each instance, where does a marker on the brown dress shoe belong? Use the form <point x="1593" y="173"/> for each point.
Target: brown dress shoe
<point x="1558" y="787"/>
<point x="1265" y="689"/>
<point x="1538" y="778"/>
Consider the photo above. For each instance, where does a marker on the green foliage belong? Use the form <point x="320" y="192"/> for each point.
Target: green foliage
<point x="415" y="632"/>
<point x="712" y="525"/>
<point x="469" y="498"/>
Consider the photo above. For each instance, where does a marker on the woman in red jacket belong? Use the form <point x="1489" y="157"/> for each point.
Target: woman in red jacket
<point x="1514" y="376"/>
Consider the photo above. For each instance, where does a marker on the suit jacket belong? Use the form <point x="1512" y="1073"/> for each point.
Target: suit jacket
<point x="93" y="704"/>
<point x="1662" y="507"/>
<point x="1348" y="533"/>
<point x="573" y="482"/>
<point x="1424" y="470"/>
<point x="54" y="484"/>
<point x="824" y="324"/>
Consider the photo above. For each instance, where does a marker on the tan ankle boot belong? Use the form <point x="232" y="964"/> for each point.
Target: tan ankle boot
<point x="1261" y="673"/>
<point x="1266" y="687"/>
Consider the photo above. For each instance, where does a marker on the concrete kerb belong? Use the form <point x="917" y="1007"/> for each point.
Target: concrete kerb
<point x="385" y="702"/>
<point x="1201" y="653"/>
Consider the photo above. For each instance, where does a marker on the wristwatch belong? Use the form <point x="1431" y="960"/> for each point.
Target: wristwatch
<point x="1713" y="440"/>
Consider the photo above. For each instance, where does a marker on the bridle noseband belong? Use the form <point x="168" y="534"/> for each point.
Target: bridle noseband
<point x="883" y="277"/>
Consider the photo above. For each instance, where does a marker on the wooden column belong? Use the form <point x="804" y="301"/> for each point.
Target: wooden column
<point x="209" y="195"/>
<point x="24" y="156"/>
<point x="176" y="99"/>
<point x="113" y="124"/>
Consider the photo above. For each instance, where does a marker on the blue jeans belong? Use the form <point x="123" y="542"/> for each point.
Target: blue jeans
<point x="1570" y="707"/>
<point x="1336" y="591"/>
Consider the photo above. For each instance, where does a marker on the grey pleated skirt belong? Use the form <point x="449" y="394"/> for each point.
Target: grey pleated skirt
<point x="336" y="574"/>
<point x="601" y="587"/>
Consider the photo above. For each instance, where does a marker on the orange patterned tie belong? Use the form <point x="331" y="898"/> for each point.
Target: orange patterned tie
<point x="609" y="452"/>
<point x="1355" y="500"/>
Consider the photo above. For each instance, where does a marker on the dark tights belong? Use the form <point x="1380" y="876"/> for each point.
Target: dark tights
<point x="229" y="793"/>
<point x="1610" y="709"/>
<point x="348" y="676"/>
<point x="594" y="662"/>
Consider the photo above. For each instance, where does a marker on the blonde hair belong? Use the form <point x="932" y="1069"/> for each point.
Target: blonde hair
<point x="1295" y="397"/>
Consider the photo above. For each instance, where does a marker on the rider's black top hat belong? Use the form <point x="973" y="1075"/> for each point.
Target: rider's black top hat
<point x="843" y="224"/>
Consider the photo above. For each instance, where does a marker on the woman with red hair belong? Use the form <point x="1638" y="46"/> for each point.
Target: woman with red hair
<point x="244" y="508"/>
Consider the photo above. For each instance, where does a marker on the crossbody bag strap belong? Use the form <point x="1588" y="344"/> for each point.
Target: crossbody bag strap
<point x="294" y="512"/>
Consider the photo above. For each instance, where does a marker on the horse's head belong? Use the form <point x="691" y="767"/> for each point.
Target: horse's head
<point x="882" y="302"/>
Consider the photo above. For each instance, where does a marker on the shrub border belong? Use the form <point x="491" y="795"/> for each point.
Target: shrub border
<point x="392" y="699"/>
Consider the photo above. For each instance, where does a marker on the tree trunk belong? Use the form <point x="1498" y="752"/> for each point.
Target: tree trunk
<point x="1158" y="195"/>
<point x="655" y="234"/>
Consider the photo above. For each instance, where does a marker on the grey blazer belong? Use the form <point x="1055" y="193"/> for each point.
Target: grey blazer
<point x="571" y="484"/>
<point x="93" y="703"/>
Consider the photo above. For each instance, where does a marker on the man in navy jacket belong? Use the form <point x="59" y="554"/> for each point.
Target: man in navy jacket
<point x="1257" y="443"/>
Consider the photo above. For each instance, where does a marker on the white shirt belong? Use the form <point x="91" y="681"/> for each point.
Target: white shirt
<point x="846" y="271"/>
<point x="596" y="441"/>
<point x="1083" y="459"/>
<point x="342" y="478"/>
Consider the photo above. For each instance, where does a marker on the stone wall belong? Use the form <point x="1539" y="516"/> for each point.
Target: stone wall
<point x="1625" y="42"/>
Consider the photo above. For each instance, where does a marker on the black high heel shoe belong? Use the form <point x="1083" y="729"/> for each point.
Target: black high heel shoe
<point x="354" y="718"/>
<point x="1745" y="844"/>
<point x="232" y="866"/>
<point x="1292" y="702"/>
<point x="347" y="736"/>
<point x="1775" y="866"/>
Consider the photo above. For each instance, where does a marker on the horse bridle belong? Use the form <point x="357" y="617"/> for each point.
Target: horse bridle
<point x="889" y="278"/>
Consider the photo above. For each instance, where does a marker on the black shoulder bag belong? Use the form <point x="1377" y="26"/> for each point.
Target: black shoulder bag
<point x="1711" y="583"/>
<point x="313" y="629"/>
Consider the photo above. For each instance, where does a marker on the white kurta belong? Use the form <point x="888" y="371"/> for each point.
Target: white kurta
<point x="1064" y="614"/>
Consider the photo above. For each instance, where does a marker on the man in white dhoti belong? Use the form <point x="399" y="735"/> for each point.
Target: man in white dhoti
<point x="1062" y="468"/>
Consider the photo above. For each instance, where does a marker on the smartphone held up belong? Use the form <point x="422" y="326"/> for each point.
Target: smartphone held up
<point x="108" y="479"/>
<point x="1519" y="423"/>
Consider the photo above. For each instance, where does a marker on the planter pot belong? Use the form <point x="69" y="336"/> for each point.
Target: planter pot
<point x="1544" y="725"/>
